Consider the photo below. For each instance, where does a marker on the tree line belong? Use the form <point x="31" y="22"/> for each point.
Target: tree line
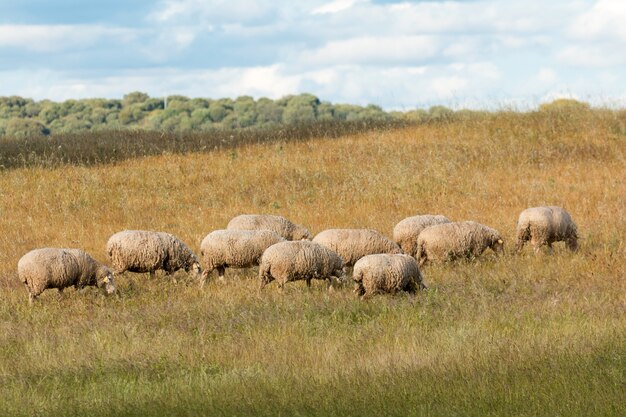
<point x="24" y="117"/>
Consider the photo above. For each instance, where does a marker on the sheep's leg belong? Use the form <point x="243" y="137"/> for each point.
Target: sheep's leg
<point x="152" y="274"/>
<point x="220" y="272"/>
<point x="308" y="283"/>
<point x="31" y="298"/>
<point x="550" y="249"/>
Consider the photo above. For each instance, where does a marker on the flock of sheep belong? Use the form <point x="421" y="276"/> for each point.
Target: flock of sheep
<point x="284" y="252"/>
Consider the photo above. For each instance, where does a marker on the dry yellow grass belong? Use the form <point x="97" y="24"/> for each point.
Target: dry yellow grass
<point x="520" y="335"/>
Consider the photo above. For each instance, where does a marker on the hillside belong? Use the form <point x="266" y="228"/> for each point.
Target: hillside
<point x="515" y="335"/>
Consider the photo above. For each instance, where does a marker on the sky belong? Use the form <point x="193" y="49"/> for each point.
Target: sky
<point x="396" y="54"/>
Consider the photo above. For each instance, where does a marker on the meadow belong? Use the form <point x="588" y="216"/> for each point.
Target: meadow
<point x="517" y="335"/>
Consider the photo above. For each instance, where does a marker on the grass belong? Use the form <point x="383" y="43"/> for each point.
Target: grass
<point x="103" y="147"/>
<point x="516" y="335"/>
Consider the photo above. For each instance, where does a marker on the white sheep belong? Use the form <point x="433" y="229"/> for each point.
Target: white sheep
<point x="544" y="226"/>
<point x="449" y="241"/>
<point x="45" y="268"/>
<point x="383" y="273"/>
<point x="277" y="224"/>
<point x="222" y="249"/>
<point x="353" y="244"/>
<point x="146" y="251"/>
<point x="405" y="233"/>
<point x="299" y="260"/>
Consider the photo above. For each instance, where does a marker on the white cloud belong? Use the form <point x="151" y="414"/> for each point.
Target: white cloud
<point x="589" y="55"/>
<point x="373" y="50"/>
<point x="448" y="87"/>
<point x="546" y="76"/>
<point x="53" y="38"/>
<point x="334" y="6"/>
<point x="604" y="20"/>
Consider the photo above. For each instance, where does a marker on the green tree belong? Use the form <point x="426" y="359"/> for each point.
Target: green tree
<point x="245" y="111"/>
<point x="24" y="128"/>
<point x="301" y="108"/>
<point x="269" y="113"/>
<point x="134" y="98"/>
<point x="440" y="113"/>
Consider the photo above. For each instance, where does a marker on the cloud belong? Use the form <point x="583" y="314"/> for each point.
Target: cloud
<point x="546" y="75"/>
<point x="605" y="20"/>
<point x="54" y="38"/>
<point x="590" y="55"/>
<point x="334" y="6"/>
<point x="373" y="50"/>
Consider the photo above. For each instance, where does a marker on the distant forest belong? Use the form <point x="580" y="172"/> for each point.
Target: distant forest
<point x="24" y="117"/>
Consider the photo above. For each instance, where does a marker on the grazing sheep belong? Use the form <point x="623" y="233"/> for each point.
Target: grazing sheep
<point x="145" y="251"/>
<point x="449" y="241"/>
<point x="46" y="268"/>
<point x="406" y="232"/>
<point x="383" y="273"/>
<point x="544" y="226"/>
<point x="299" y="260"/>
<point x="278" y="224"/>
<point x="222" y="249"/>
<point x="353" y="244"/>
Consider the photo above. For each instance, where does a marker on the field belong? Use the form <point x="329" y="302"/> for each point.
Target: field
<point x="518" y="335"/>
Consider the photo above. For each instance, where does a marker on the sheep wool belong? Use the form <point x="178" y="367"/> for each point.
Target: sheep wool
<point x="353" y="244"/>
<point x="222" y="249"/>
<point x="383" y="273"/>
<point x="450" y="241"/>
<point x="544" y="226"/>
<point x="299" y="260"/>
<point x="405" y="233"/>
<point x="45" y="268"/>
<point x="146" y="251"/>
<point x="278" y="224"/>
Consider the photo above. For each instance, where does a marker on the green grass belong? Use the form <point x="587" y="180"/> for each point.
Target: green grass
<point x="480" y="342"/>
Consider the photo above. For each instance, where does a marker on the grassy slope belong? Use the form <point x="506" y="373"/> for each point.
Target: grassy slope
<point x="520" y="335"/>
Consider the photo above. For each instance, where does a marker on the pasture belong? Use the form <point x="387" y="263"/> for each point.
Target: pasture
<point x="520" y="335"/>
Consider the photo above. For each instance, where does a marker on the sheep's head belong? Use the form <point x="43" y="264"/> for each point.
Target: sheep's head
<point x="105" y="280"/>
<point x="300" y="233"/>
<point x="498" y="245"/>
<point x="195" y="269"/>
<point x="340" y="269"/>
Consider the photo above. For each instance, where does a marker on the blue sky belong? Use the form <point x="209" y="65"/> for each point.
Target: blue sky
<point x="397" y="54"/>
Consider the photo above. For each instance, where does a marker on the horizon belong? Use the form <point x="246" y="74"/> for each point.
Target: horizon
<point x="396" y="55"/>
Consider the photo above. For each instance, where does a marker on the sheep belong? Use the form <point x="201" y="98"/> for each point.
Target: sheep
<point x="235" y="249"/>
<point x="406" y="231"/>
<point x="544" y="226"/>
<point x="45" y="268"/>
<point x="299" y="260"/>
<point x="449" y="241"/>
<point x="278" y="224"/>
<point x="383" y="273"/>
<point x="353" y="244"/>
<point x="146" y="251"/>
